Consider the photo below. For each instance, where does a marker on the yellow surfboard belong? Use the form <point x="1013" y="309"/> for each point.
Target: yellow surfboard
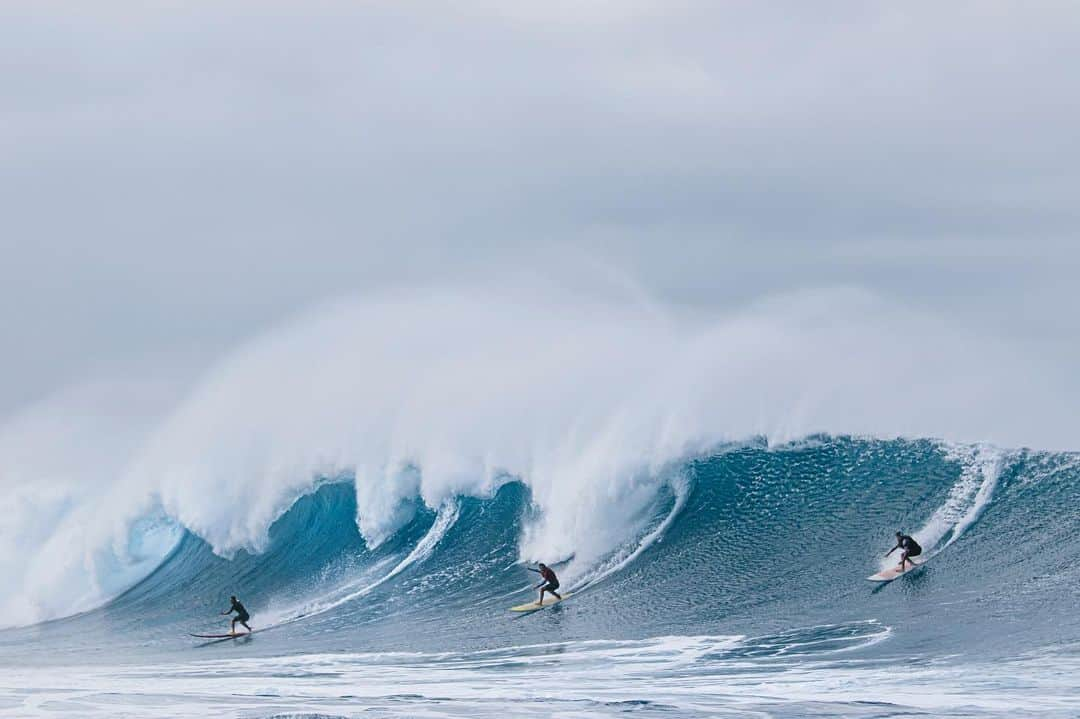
<point x="536" y="606"/>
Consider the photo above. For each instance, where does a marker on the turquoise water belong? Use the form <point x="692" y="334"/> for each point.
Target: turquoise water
<point x="740" y="591"/>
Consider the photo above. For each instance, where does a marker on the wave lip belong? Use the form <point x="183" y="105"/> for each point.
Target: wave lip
<point x="450" y="393"/>
<point x="747" y="541"/>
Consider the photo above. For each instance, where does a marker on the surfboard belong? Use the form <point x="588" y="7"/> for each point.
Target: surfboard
<point x="536" y="606"/>
<point x="221" y="636"/>
<point x="893" y="572"/>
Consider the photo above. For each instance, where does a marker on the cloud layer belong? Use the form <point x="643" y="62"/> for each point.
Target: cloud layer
<point x="178" y="176"/>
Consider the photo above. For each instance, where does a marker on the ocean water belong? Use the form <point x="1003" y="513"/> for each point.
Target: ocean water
<point x="729" y="580"/>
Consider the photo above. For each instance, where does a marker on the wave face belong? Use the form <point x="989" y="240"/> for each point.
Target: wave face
<point x="423" y="400"/>
<point x="372" y="480"/>
<point x="746" y="540"/>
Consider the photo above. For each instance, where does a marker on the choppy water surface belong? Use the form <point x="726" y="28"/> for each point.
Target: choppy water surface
<point x="734" y="586"/>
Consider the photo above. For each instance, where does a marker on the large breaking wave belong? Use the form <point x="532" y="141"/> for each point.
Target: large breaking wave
<point x="390" y="422"/>
<point x="749" y="539"/>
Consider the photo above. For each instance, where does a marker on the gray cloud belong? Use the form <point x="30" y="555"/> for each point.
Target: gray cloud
<point x="177" y="177"/>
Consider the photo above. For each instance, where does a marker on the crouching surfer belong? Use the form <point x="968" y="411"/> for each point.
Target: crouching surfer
<point x="908" y="548"/>
<point x="242" y="615"/>
<point x="550" y="583"/>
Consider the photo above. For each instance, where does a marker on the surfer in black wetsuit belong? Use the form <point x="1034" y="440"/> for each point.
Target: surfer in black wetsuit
<point x="242" y="615"/>
<point x="908" y="548"/>
<point x="550" y="583"/>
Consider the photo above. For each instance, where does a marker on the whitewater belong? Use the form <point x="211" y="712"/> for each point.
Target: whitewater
<point x="374" y="476"/>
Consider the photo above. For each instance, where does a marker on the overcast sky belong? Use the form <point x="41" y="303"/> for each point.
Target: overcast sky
<point x="178" y="176"/>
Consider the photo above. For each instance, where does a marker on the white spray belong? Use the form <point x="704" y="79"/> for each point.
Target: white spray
<point x="442" y="393"/>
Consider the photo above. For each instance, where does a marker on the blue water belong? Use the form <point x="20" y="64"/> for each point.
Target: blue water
<point x="742" y="593"/>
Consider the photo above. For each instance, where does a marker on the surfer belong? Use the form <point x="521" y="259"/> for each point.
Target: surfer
<point x="550" y="583"/>
<point x="242" y="615"/>
<point x="908" y="548"/>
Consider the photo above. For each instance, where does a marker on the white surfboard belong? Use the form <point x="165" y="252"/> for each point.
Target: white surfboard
<point x="535" y="606"/>
<point x="887" y="575"/>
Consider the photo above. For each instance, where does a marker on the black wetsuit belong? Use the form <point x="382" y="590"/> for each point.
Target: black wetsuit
<point x="909" y="545"/>
<point x="241" y="614"/>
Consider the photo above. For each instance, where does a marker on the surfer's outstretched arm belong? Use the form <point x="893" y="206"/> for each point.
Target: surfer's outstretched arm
<point x="893" y="549"/>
